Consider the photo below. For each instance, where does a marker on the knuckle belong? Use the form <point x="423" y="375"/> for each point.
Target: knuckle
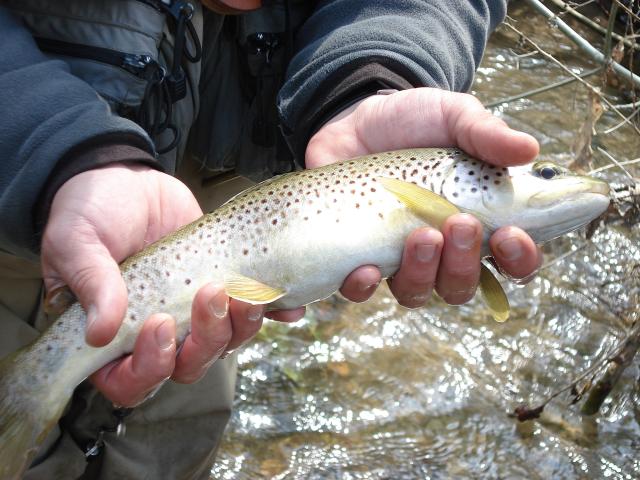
<point x="419" y="277"/>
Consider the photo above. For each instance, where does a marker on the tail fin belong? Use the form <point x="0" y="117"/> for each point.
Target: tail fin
<point x="28" y="411"/>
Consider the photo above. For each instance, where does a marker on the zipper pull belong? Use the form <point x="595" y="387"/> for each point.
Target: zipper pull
<point x="142" y="66"/>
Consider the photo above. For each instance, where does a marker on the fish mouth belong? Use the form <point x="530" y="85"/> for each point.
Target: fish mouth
<point x="569" y="191"/>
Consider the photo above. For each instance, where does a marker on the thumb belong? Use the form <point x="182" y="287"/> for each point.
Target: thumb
<point x="93" y="275"/>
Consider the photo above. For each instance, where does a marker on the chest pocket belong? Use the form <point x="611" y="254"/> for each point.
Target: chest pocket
<point x="244" y="67"/>
<point x="125" y="50"/>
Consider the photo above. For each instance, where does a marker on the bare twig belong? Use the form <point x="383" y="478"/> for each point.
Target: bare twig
<point x="568" y="70"/>
<point x="628" y="10"/>
<point x="628" y="106"/>
<point x="583" y="44"/>
<point x="617" y="365"/>
<point x="614" y="165"/>
<point x="546" y="88"/>
<point x="590" y="23"/>
<point x="609" y="33"/>
<point x="623" y="122"/>
<point x="616" y="162"/>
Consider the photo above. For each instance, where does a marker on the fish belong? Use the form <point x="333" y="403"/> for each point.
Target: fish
<point x="286" y="242"/>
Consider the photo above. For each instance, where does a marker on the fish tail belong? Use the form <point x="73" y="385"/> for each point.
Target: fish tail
<point x="28" y="411"/>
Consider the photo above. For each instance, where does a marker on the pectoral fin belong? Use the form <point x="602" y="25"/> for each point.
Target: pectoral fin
<point x="435" y="209"/>
<point x="429" y="206"/>
<point x="249" y="290"/>
<point x="493" y="295"/>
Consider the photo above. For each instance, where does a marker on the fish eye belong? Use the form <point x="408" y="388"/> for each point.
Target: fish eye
<point x="547" y="170"/>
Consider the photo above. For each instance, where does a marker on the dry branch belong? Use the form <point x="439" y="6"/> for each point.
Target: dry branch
<point x="568" y="70"/>
<point x="590" y="23"/>
<point x="583" y="44"/>
<point x="546" y="88"/>
<point x="603" y="387"/>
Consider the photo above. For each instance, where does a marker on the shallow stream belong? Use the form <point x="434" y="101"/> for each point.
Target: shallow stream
<point x="378" y="391"/>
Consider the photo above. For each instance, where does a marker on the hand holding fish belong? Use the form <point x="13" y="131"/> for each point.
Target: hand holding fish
<point x="92" y="226"/>
<point x="428" y="117"/>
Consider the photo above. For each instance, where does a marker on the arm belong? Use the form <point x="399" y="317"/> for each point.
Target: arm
<point x="349" y="49"/>
<point x="49" y="117"/>
<point x="68" y="161"/>
<point x="403" y="45"/>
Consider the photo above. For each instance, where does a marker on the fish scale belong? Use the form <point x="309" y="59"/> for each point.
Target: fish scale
<point x="286" y="242"/>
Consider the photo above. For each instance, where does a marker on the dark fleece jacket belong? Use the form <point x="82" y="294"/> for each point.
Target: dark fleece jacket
<point x="53" y="125"/>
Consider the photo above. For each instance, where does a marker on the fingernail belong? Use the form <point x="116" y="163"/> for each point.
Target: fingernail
<point x="463" y="236"/>
<point x="419" y="299"/>
<point x="465" y="293"/>
<point x="510" y="249"/>
<point x="365" y="287"/>
<point x="425" y="252"/>
<point x="219" y="305"/>
<point x="254" y="313"/>
<point x="164" y="335"/>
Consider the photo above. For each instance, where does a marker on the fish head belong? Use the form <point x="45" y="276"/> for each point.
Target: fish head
<point x="544" y="199"/>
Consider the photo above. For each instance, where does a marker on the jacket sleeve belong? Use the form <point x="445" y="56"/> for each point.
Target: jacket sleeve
<point x="48" y="118"/>
<point x="349" y="49"/>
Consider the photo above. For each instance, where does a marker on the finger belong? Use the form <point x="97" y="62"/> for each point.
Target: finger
<point x="246" y="320"/>
<point x="484" y="135"/>
<point x="460" y="261"/>
<point x="127" y="382"/>
<point x="210" y="333"/>
<point x="287" y="316"/>
<point x="515" y="253"/>
<point x="414" y="281"/>
<point x="361" y="283"/>
<point x="90" y="271"/>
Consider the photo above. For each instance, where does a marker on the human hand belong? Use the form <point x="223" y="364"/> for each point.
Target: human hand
<point x="100" y="217"/>
<point x="448" y="261"/>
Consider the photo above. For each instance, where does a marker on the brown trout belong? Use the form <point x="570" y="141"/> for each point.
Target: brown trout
<point x="288" y="242"/>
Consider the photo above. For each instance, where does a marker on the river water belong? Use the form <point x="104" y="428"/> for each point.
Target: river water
<point x="378" y="391"/>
